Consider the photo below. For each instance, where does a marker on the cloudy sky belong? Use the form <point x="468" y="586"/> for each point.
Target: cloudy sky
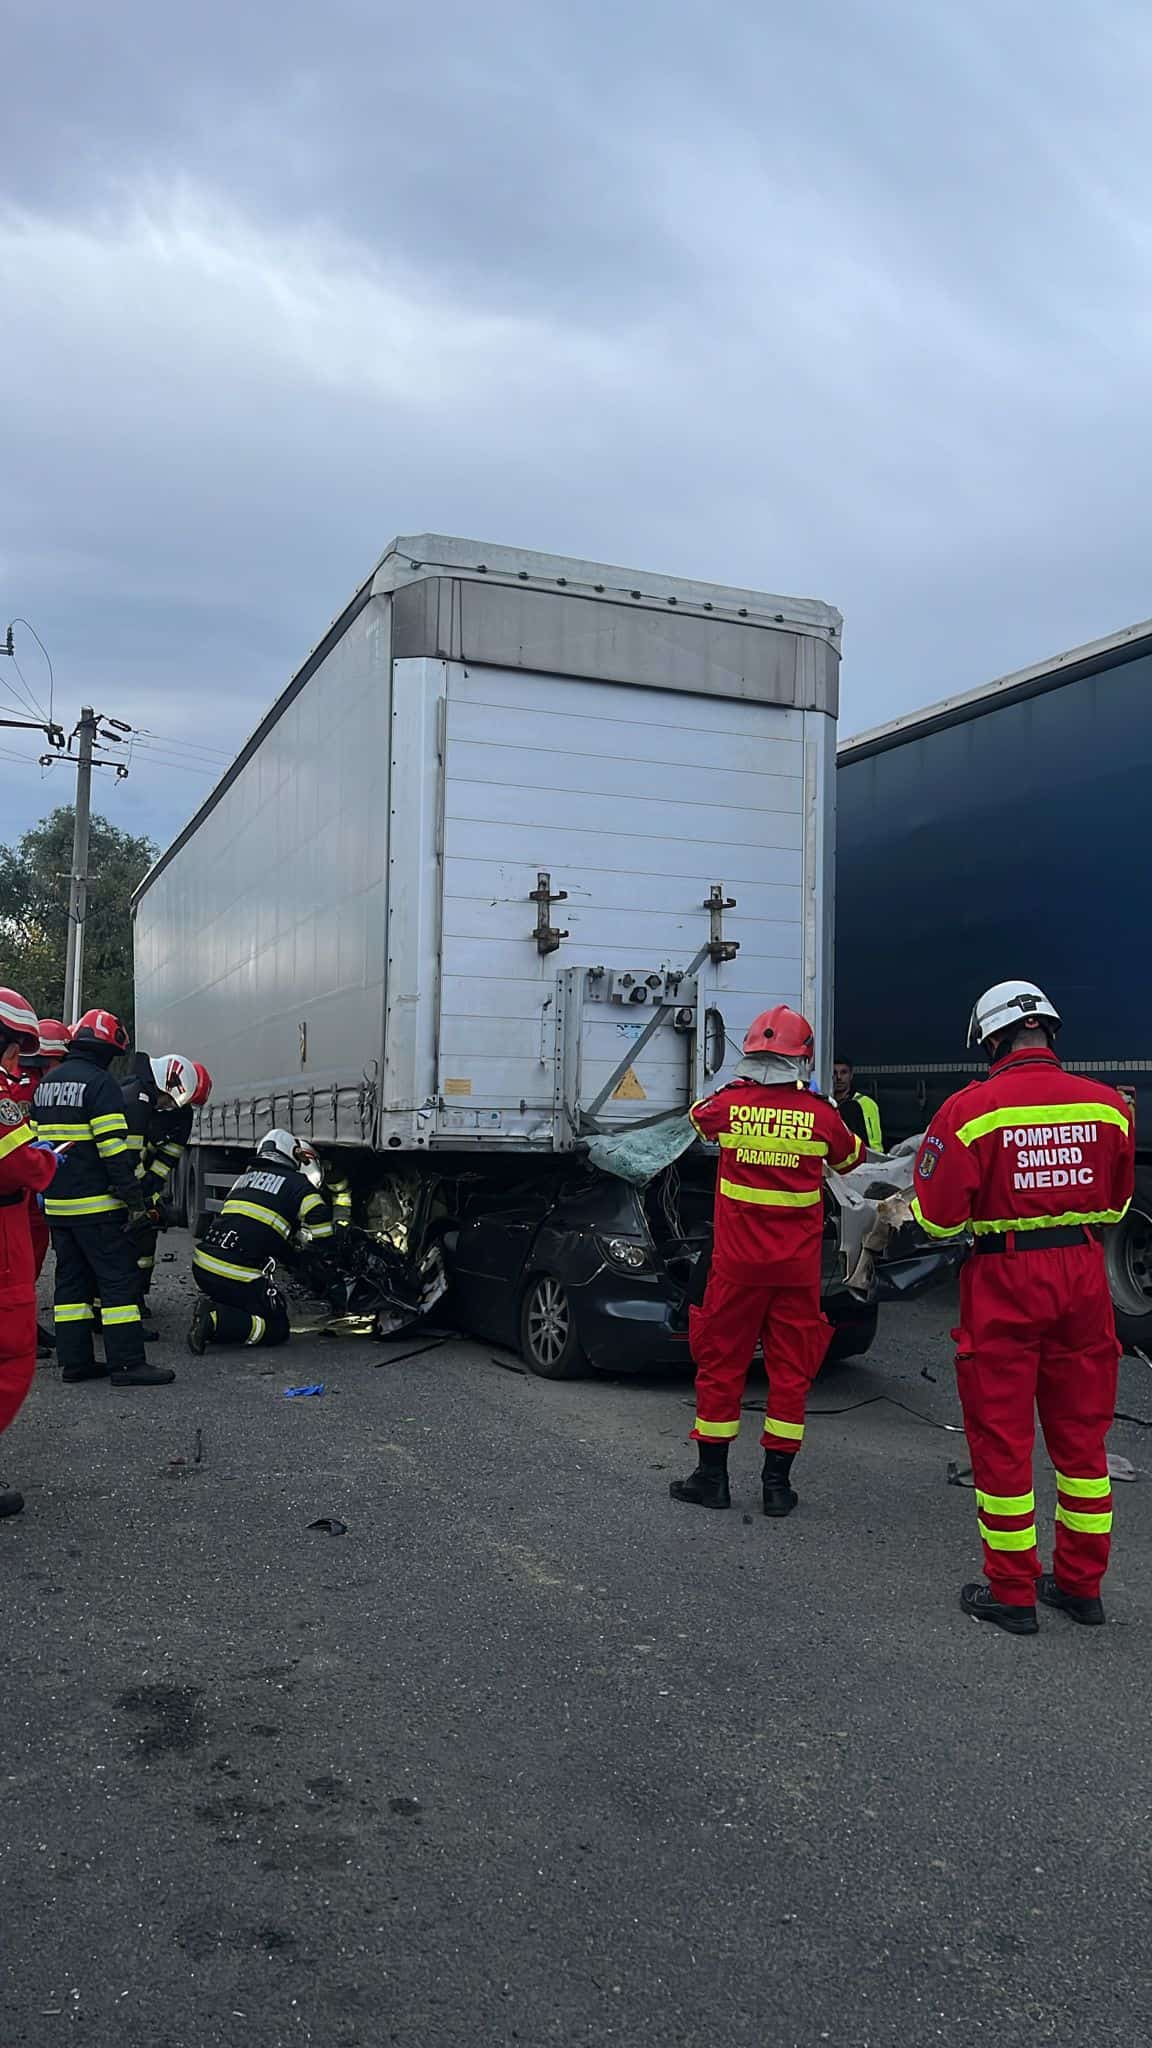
<point x="846" y="300"/>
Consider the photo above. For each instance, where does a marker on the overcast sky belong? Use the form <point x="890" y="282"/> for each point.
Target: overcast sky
<point x="847" y="300"/>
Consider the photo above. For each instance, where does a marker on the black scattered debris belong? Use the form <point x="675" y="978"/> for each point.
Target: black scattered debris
<point x="330" y="1525"/>
<point x="420" y="1352"/>
<point x="199" y="1456"/>
<point x="509" y="1365"/>
<point x="959" y="1475"/>
<point x="405" y="1807"/>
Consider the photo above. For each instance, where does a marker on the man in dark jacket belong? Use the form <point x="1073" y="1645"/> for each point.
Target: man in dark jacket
<point x="158" y="1107"/>
<point x="94" y="1197"/>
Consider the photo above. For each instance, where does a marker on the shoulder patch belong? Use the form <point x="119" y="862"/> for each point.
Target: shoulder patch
<point x="11" y="1112"/>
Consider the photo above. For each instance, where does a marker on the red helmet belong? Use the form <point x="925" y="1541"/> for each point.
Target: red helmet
<point x="100" y="1027"/>
<point x="55" y="1039"/>
<point x="781" y="1030"/>
<point x="203" y="1085"/>
<point x="18" y="1021"/>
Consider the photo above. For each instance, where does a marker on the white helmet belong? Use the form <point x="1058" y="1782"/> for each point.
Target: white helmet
<point x="175" y="1077"/>
<point x="295" y="1153"/>
<point x="1006" y="1007"/>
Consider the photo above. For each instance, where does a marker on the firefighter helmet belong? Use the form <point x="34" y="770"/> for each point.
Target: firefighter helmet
<point x="1005" y="1007"/>
<point x="100" y="1027"/>
<point x="281" y="1148"/>
<point x="55" y="1039"/>
<point x="175" y="1077"/>
<point x="203" y="1085"/>
<point x="783" y="1031"/>
<point x="19" y="1024"/>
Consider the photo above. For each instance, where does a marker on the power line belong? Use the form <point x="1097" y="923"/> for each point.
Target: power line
<point x="145" y="737"/>
<point x="48" y="658"/>
<point x="37" y="707"/>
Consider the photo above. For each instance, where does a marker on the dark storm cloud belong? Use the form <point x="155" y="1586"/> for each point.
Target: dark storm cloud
<point x="836" y="300"/>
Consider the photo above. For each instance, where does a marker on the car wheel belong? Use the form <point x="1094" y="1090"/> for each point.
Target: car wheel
<point x="1128" y="1259"/>
<point x="549" y="1344"/>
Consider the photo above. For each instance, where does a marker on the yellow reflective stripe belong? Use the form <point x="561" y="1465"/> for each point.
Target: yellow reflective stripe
<point x="1006" y="1503"/>
<point x="770" y="1198"/>
<point x="716" y="1429"/>
<point x="771" y="1141"/>
<point x="112" y="1120"/>
<point x="1085" y="1525"/>
<point x="78" y="1134"/>
<point x="208" y="1262"/>
<point x="82" y="1205"/>
<point x="21" y="1134"/>
<point x="135" y="1141"/>
<point x="110" y="1148"/>
<point x="113" y="1317"/>
<point x="984" y="1228"/>
<point x="74" y="1312"/>
<point x="1009" y="1539"/>
<point x="159" y="1169"/>
<point x="1054" y="1113"/>
<point x="318" y="1230"/>
<point x="794" y="1431"/>
<point x="871" y="1114"/>
<point x="1084" y="1489"/>
<point x="173" y="1148"/>
<point x="257" y="1330"/>
<point x="936" y="1229"/>
<point x="850" y="1158"/>
<point x="311" y="1202"/>
<point x="259" y="1214"/>
<point x="146" y="1264"/>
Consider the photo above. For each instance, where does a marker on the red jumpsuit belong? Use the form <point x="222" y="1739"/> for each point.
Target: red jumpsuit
<point x="22" y="1173"/>
<point x="764" y="1283"/>
<point x="1030" y="1158"/>
<point x="24" y="1087"/>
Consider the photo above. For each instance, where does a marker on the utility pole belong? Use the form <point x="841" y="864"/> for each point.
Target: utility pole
<point x="78" y="894"/>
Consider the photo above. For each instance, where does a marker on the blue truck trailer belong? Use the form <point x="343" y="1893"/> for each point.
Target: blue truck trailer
<point x="998" y="833"/>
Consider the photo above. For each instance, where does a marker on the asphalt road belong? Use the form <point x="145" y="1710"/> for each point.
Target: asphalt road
<point x="532" y="1755"/>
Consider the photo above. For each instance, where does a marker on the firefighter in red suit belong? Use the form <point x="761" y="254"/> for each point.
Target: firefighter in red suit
<point x="53" y="1047"/>
<point x="775" y="1140"/>
<point x="25" y="1169"/>
<point x="1032" y="1160"/>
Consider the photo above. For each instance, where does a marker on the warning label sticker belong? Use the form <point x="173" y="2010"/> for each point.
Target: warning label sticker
<point x="629" y="1089"/>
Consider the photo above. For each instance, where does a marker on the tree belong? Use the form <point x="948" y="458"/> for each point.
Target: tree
<point x="34" y="913"/>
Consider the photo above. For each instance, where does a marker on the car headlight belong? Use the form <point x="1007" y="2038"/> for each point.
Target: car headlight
<point x="627" y="1253"/>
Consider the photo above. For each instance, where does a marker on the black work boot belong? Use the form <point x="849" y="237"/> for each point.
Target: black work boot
<point x="1081" y="1607"/>
<point x="143" y="1375"/>
<point x="94" y="1370"/>
<point x="707" y="1486"/>
<point x="11" y="1502"/>
<point x="779" y="1496"/>
<point x="981" y="1603"/>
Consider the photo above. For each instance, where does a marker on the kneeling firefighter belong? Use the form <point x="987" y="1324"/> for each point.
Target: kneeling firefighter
<point x="775" y="1138"/>
<point x="274" y="1203"/>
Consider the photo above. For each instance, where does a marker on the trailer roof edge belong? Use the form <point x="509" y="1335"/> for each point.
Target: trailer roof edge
<point x="1051" y="674"/>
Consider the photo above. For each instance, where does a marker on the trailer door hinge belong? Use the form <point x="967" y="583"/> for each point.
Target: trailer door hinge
<point x="544" y="896"/>
<point x="716" y="903"/>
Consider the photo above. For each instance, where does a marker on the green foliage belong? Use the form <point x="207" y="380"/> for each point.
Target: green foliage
<point x="34" y="913"/>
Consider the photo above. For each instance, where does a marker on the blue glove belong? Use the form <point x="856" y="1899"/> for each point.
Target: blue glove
<point x="42" y="1145"/>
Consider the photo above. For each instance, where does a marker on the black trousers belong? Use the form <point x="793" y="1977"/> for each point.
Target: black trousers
<point x="144" y="1240"/>
<point x="96" y="1262"/>
<point x="245" y="1311"/>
